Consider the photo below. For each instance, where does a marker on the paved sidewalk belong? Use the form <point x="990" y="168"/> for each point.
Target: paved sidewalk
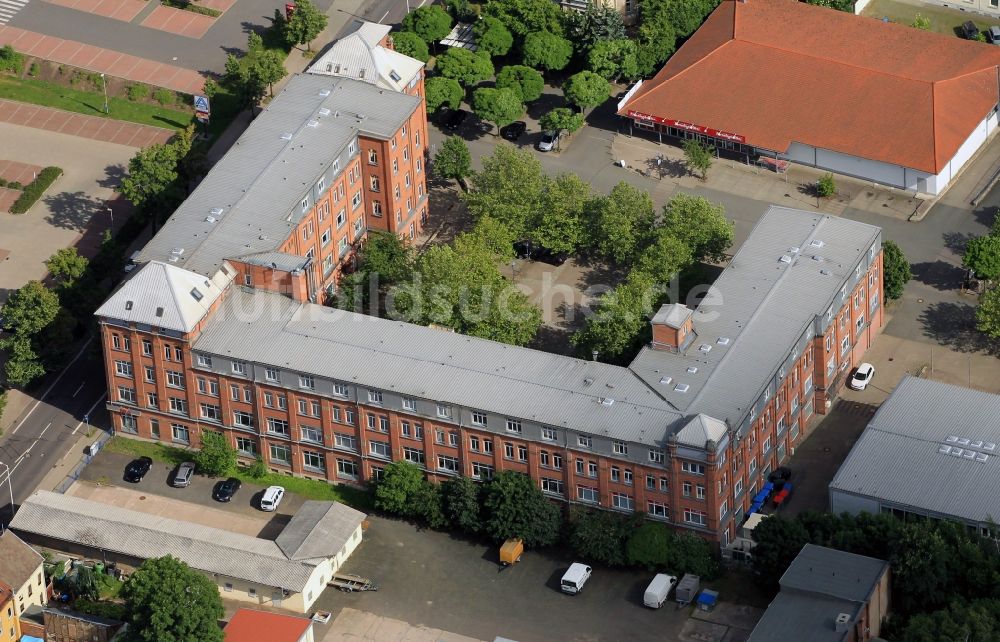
<point x="178" y="21"/>
<point x="11" y="170"/>
<point x="353" y="625"/>
<point x="91" y="58"/>
<point x="124" y="10"/>
<point x="99" y="128"/>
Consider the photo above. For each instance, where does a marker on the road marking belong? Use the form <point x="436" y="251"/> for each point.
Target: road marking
<point x="99" y="400"/>
<point x="79" y="389"/>
<point x="383" y="17"/>
<point x="46" y="393"/>
<point x="9" y="8"/>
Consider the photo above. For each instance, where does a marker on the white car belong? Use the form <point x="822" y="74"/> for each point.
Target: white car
<point x="548" y="141"/>
<point x="862" y="377"/>
<point x="272" y="497"/>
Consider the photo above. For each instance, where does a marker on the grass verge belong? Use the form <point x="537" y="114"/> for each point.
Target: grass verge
<point x="307" y="488"/>
<point x="39" y="92"/>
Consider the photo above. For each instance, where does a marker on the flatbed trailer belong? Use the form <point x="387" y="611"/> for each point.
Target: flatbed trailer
<point x="350" y="583"/>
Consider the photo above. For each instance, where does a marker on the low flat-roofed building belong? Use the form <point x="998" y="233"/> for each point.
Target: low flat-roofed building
<point x="932" y="449"/>
<point x="827" y="596"/>
<point x="289" y="572"/>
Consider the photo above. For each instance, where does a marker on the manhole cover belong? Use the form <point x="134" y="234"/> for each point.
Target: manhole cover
<point x="891" y="358"/>
<point x="141" y="497"/>
<point x="826" y="450"/>
<point x="920" y="300"/>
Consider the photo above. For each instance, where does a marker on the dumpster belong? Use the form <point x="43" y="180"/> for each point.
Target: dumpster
<point x="707" y="599"/>
<point x="510" y="552"/>
<point x="687" y="589"/>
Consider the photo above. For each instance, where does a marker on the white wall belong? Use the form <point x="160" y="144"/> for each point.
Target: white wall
<point x="31" y="592"/>
<point x="972" y="144"/>
<point x="860" y="5"/>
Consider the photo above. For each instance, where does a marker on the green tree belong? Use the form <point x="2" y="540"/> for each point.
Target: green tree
<point x="600" y="536"/>
<point x="29" y="309"/>
<point x="586" y="89"/>
<point x="839" y="5"/>
<point x="66" y="266"/>
<point x="618" y="222"/>
<point x="467" y="67"/>
<point x="689" y="553"/>
<point x="546" y="50"/>
<point x="527" y="82"/>
<point x="698" y="157"/>
<point x="168" y="601"/>
<point x="515" y="507"/>
<point x="920" y="563"/>
<point x="559" y="225"/>
<point x="657" y="35"/>
<point x="431" y="23"/>
<point x="453" y="160"/>
<point x="440" y="92"/>
<point x="85" y="583"/>
<point x="700" y="224"/>
<point x="217" y="457"/>
<point x="388" y="256"/>
<point x="151" y="173"/>
<point x="243" y="81"/>
<point x="664" y="258"/>
<point x="988" y="313"/>
<point x="779" y="540"/>
<point x="305" y="23"/>
<point x="561" y="119"/>
<point x="921" y="21"/>
<point x="826" y="186"/>
<point x="685" y="16"/>
<point x="508" y="188"/>
<point x="895" y="270"/>
<point x="498" y="106"/>
<point x="253" y="72"/>
<point x="522" y="17"/>
<point x="648" y="546"/>
<point x="55" y="342"/>
<point x="496" y="237"/>
<point x="462" y="503"/>
<point x="23" y="364"/>
<point x="982" y="254"/>
<point x="619" y="320"/>
<point x="428" y="506"/>
<point x="614" y="59"/>
<point x="600" y="22"/>
<point x="399" y="488"/>
<point x="492" y="36"/>
<point x="412" y="45"/>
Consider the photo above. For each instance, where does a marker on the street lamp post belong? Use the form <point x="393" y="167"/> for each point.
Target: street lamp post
<point x="112" y="218"/>
<point x="104" y="84"/>
<point x="10" y="489"/>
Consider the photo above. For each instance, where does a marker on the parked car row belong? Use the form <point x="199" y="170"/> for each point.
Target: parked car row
<point x="971" y="32"/>
<point x="451" y="119"/>
<point x="223" y="491"/>
<point x="656" y="593"/>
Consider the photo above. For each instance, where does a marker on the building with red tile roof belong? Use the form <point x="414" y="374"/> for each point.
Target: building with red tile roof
<point x="854" y="95"/>
<point x="249" y="625"/>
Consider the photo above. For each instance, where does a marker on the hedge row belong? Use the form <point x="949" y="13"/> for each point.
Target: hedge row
<point x="34" y="190"/>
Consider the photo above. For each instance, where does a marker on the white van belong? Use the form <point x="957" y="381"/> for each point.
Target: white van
<point x="659" y="590"/>
<point x="573" y="580"/>
<point x="272" y="497"/>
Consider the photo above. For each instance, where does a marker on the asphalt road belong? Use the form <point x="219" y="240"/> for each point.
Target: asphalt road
<point x="40" y="437"/>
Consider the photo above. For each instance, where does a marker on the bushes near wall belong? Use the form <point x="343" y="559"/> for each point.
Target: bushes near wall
<point x="34" y="190"/>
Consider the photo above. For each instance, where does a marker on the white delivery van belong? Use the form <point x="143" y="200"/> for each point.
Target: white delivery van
<point x="659" y="590"/>
<point x="573" y="580"/>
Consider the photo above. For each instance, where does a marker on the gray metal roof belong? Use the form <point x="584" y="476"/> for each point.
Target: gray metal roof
<point x="319" y="530"/>
<point x="931" y="446"/>
<point x="275" y="260"/>
<point x="359" y="55"/>
<point x="792" y="616"/>
<point x="827" y="571"/>
<point x="426" y="363"/>
<point x="673" y="315"/>
<point x="762" y="305"/>
<point x="249" y="201"/>
<point x="141" y="535"/>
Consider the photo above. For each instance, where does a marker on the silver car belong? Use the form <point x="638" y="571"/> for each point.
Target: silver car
<point x="182" y="478"/>
<point x="548" y="141"/>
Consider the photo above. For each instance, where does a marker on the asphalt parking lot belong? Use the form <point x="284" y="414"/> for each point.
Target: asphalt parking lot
<point x="107" y="468"/>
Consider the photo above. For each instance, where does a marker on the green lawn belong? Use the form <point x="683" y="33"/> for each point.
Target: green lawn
<point x="39" y="92"/>
<point x="942" y="20"/>
<point x="307" y="488"/>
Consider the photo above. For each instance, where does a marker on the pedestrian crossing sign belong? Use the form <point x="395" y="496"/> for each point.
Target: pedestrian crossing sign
<point x="201" y="104"/>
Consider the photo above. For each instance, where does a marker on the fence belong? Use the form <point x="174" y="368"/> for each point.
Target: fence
<point x="88" y="457"/>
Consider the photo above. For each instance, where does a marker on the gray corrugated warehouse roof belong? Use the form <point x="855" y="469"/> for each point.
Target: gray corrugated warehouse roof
<point x="141" y="535"/>
<point x="793" y="617"/>
<point x="252" y="194"/>
<point x="931" y="446"/>
<point x="318" y="530"/>
<point x="787" y="272"/>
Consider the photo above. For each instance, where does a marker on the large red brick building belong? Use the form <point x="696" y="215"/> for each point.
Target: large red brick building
<point x="686" y="433"/>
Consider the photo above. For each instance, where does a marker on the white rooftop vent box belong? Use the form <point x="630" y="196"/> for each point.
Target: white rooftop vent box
<point x="682" y="387"/>
<point x="666" y="380"/>
<point x="723" y="341"/>
<point x="692" y="369"/>
<point x="177" y="251"/>
<point x="286" y="136"/>
<point x="825" y="272"/>
<point x="326" y="92"/>
<point x="816" y="243"/>
<point x="210" y="219"/>
<point x="785" y="258"/>
<point x="323" y="111"/>
<point x="793" y="250"/>
<point x="817" y="258"/>
<point x="217" y="211"/>
<point x="704" y="348"/>
<point x="843" y="623"/>
<point x="607" y="401"/>
<point x="312" y="123"/>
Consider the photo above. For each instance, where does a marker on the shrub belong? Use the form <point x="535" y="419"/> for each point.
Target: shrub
<point x="11" y="60"/>
<point x="165" y="97"/>
<point x="110" y="610"/>
<point x="3" y="183"/>
<point x="257" y="469"/>
<point x="826" y="187"/>
<point x="15" y="185"/>
<point x="34" y="191"/>
<point x="34" y="69"/>
<point x="137" y="92"/>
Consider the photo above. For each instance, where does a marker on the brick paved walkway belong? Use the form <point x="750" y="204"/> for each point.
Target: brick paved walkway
<point x="218" y="5"/>
<point x="113" y="63"/>
<point x="7" y="198"/>
<point x="124" y="10"/>
<point x="178" y="21"/>
<point x="23" y="173"/>
<point x="95" y="127"/>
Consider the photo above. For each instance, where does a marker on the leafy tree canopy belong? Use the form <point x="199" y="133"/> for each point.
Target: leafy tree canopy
<point x="619" y="320"/>
<point x="598" y="23"/>
<point x="453" y="159"/>
<point x="465" y="66"/>
<point x="412" y="45"/>
<point x="217" y="457"/>
<point x="559" y="222"/>
<point x="498" y="106"/>
<point x="515" y="507"/>
<point x="988" y="313"/>
<point x="492" y="36"/>
<point x="508" y="188"/>
<point x="701" y="225"/>
<point x="619" y="221"/>
<point x="586" y="89"/>
<point x="561" y="119"/>
<point x="522" y="17"/>
<point x="66" y="265"/>
<point x="305" y="23"/>
<point x="982" y="254"/>
<point x="614" y="59"/>
<point x="29" y="309"/>
<point x="600" y="536"/>
<point x="527" y="82"/>
<point x="461" y="498"/>
<point x="442" y="92"/>
<point x="431" y="23"/>
<point x="168" y="601"/>
<point x="396" y="492"/>
<point x="895" y="270"/>
<point x="546" y="50"/>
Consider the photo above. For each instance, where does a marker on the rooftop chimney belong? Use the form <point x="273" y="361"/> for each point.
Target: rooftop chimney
<point x="673" y="328"/>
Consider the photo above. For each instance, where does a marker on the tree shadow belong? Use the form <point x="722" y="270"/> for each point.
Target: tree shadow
<point x="986" y="216"/>
<point x="954" y="325"/>
<point x="553" y="340"/>
<point x="113" y="176"/>
<point x="595" y="273"/>
<point x="957" y="241"/>
<point x="72" y="210"/>
<point x="662" y="167"/>
<point x="544" y="104"/>
<point x="938" y="274"/>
